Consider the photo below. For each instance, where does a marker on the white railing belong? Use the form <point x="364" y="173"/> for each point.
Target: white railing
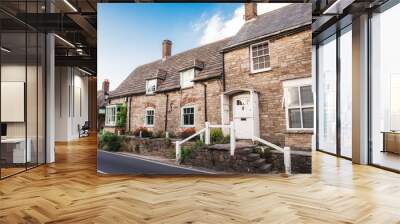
<point x="284" y="150"/>
<point x="207" y="138"/>
<point x="178" y="144"/>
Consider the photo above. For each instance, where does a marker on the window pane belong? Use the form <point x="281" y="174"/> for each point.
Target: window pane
<point x="308" y="118"/>
<point x="294" y="118"/>
<point x="292" y="96"/>
<point x="306" y="95"/>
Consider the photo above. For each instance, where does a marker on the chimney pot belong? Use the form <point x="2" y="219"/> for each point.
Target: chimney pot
<point x="166" y="49"/>
<point x="250" y="11"/>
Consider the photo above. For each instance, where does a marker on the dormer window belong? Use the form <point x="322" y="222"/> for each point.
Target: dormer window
<point x="259" y="57"/>
<point x="151" y="86"/>
<point x="187" y="77"/>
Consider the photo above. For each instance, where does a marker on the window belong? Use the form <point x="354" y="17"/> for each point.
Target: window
<point x="111" y="115"/>
<point x="151" y="86"/>
<point x="187" y="78"/>
<point x="299" y="104"/>
<point x="259" y="60"/>
<point x="187" y="116"/>
<point x="149" y="117"/>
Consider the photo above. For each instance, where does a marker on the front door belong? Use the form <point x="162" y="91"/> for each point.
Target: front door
<point x="242" y="116"/>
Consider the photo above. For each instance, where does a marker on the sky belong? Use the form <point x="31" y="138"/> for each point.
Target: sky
<point x="131" y="34"/>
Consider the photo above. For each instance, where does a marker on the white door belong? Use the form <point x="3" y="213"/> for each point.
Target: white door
<point x="242" y="116"/>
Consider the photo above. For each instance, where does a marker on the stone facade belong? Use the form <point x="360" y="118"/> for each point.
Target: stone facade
<point x="176" y="100"/>
<point x="290" y="58"/>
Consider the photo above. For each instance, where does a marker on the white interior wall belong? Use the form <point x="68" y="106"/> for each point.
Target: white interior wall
<point x="71" y="94"/>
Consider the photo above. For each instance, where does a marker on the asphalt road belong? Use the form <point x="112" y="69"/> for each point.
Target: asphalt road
<point x="113" y="163"/>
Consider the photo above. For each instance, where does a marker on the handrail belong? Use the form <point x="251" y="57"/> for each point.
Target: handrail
<point x="285" y="150"/>
<point x="267" y="143"/>
<point x="179" y="143"/>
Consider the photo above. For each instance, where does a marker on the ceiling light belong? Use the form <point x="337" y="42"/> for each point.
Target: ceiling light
<point x="70" y="5"/>
<point x="5" y="50"/>
<point x="64" y="40"/>
<point x="84" y="71"/>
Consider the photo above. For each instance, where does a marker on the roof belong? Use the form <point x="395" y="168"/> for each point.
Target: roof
<point x="207" y="58"/>
<point x="274" y="22"/>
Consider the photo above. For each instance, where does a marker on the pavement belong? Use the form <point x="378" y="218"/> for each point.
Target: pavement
<point x="117" y="163"/>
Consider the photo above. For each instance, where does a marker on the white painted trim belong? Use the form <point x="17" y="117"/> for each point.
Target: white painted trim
<point x="180" y="78"/>
<point x="145" y="117"/>
<point x="252" y="70"/>
<point x="297" y="83"/>
<point x="147" y="87"/>
<point x="114" y="123"/>
<point x="194" y="118"/>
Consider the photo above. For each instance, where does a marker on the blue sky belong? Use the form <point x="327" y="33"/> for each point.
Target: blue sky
<point x="130" y="34"/>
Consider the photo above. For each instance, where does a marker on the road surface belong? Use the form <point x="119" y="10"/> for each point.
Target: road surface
<point x="114" y="163"/>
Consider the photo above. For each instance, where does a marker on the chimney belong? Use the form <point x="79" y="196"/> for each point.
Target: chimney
<point x="166" y="49"/>
<point x="106" y="86"/>
<point x="250" y="11"/>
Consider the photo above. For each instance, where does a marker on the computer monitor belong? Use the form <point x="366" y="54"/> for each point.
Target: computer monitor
<point x="3" y="129"/>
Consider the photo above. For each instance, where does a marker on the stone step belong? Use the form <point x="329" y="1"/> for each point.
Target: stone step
<point x="259" y="162"/>
<point x="265" y="168"/>
<point x="244" y="151"/>
<point x="253" y="157"/>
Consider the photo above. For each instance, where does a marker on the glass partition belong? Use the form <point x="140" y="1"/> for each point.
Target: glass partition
<point x="22" y="107"/>
<point x="346" y="92"/>
<point x="385" y="89"/>
<point x="327" y="95"/>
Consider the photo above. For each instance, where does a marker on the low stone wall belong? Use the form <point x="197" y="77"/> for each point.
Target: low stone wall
<point x="300" y="161"/>
<point x="245" y="162"/>
<point x="149" y="146"/>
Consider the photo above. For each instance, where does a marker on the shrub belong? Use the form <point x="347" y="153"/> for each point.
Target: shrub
<point x="216" y="136"/>
<point x="159" y="134"/>
<point x="199" y="144"/>
<point x="111" y="142"/>
<point x="187" y="132"/>
<point x="121" y="116"/>
<point x="185" y="153"/>
<point x="146" y="133"/>
<point x="226" y="140"/>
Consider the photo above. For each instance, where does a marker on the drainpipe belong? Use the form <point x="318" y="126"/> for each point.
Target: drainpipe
<point x="205" y="102"/>
<point x="166" y="112"/>
<point x="129" y="113"/>
<point x="223" y="72"/>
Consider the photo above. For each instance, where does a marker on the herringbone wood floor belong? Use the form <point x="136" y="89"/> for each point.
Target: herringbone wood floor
<point x="70" y="191"/>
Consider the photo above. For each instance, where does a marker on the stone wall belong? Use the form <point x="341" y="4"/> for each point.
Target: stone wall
<point x="290" y="59"/>
<point x="149" y="147"/>
<point x="301" y="162"/>
<point x="248" y="160"/>
<point x="176" y="100"/>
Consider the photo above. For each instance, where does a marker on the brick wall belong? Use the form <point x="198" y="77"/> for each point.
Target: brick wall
<point x="290" y="59"/>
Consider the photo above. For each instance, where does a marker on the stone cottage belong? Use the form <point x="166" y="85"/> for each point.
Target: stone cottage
<point x="260" y="79"/>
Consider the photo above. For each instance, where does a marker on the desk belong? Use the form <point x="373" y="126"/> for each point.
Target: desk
<point x="15" y="148"/>
<point x="391" y="141"/>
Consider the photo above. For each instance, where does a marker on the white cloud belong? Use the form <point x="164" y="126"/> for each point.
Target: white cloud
<point x="216" y="27"/>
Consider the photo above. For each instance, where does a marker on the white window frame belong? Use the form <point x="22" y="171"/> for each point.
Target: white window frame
<point x="252" y="70"/>
<point x="152" y="82"/>
<point x="194" y="116"/>
<point x="298" y="83"/>
<point x="145" y="117"/>
<point x="111" y="118"/>
<point x="181" y="78"/>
